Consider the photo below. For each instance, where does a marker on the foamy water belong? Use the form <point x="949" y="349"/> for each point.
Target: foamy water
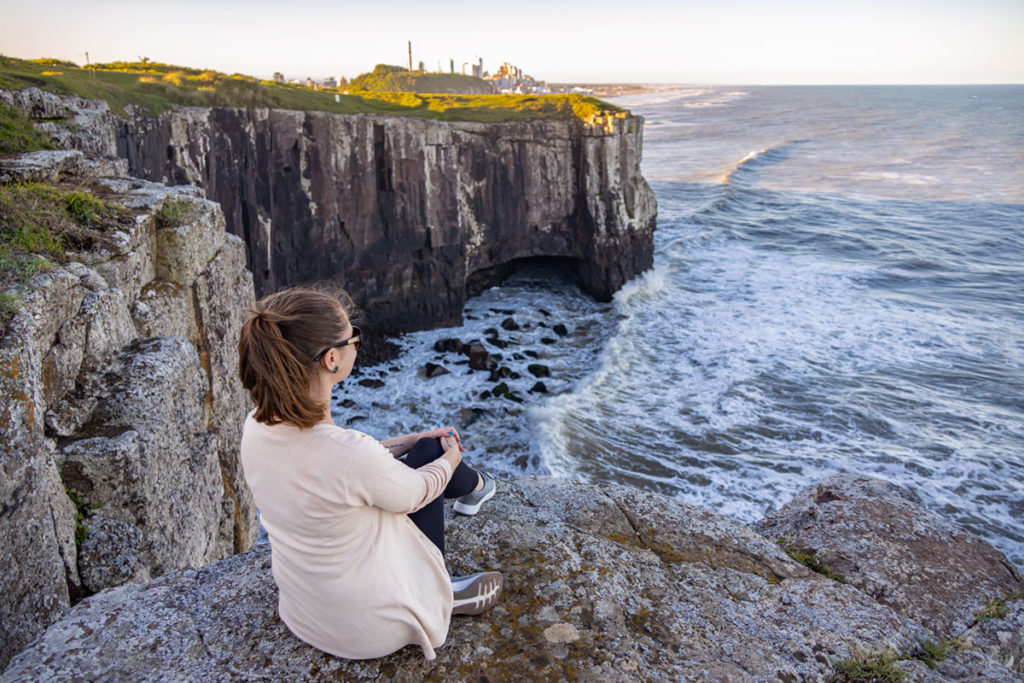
<point x="837" y="288"/>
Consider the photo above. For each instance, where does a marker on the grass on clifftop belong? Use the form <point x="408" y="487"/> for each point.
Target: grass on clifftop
<point x="17" y="133"/>
<point x="386" y="78"/>
<point x="40" y="224"/>
<point x="155" y="88"/>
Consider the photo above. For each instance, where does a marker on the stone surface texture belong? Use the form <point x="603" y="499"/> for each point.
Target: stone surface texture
<point x="409" y="215"/>
<point x="602" y="583"/>
<point x="121" y="408"/>
<point x="879" y="538"/>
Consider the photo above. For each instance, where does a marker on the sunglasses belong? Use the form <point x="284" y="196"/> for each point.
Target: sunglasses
<point x="353" y="340"/>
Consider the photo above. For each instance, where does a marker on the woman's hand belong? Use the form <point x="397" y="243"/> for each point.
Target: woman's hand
<point x="442" y="432"/>
<point x="452" y="450"/>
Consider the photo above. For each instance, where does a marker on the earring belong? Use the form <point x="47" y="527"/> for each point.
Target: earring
<point x="334" y="370"/>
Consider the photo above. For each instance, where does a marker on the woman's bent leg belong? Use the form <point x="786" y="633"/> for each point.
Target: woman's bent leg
<point x="464" y="479"/>
<point x="430" y="517"/>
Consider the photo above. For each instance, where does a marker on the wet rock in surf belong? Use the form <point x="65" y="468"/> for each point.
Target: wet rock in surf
<point x="538" y="370"/>
<point x="371" y="383"/>
<point x="479" y="357"/>
<point x="432" y="370"/>
<point x="539" y="388"/>
<point x="449" y="345"/>
<point x="509" y="324"/>
<point x="560" y="330"/>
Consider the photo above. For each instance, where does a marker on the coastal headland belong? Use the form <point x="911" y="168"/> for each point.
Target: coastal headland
<point x="128" y="526"/>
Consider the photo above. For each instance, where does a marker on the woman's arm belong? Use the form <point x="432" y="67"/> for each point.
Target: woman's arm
<point x="400" y="445"/>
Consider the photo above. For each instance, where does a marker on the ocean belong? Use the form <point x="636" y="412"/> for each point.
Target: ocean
<point x="838" y="288"/>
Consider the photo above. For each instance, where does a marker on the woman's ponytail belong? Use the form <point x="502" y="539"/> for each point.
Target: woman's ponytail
<point x="280" y="337"/>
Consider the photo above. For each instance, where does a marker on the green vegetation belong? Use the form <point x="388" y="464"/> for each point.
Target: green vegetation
<point x="385" y="78"/>
<point x="176" y="211"/>
<point x="156" y="88"/>
<point x="808" y="560"/>
<point x="931" y="652"/>
<point x="869" y="668"/>
<point x="81" y="510"/>
<point x="17" y="133"/>
<point x="995" y="608"/>
<point x="39" y="224"/>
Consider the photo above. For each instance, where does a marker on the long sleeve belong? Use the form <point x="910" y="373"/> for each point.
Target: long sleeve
<point x="376" y="478"/>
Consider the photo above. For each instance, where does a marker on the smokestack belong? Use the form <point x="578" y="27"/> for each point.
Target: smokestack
<point x="410" y="55"/>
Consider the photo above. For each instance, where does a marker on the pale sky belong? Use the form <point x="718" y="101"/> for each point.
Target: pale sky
<point x="646" y="41"/>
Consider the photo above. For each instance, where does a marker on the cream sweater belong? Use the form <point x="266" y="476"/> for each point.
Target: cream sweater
<point x="356" y="577"/>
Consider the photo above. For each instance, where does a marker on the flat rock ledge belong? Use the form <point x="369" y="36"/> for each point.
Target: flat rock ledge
<point x="603" y="583"/>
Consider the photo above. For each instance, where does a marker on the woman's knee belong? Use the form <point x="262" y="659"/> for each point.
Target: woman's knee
<point x="427" y="449"/>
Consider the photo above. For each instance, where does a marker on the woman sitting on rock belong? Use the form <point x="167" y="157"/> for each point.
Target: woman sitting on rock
<point x="356" y="535"/>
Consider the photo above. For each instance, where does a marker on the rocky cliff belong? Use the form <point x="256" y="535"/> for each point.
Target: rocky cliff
<point x="607" y="583"/>
<point x="121" y="407"/>
<point x="409" y="215"/>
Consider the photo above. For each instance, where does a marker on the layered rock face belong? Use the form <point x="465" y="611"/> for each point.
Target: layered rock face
<point x="602" y="583"/>
<point x="409" y="214"/>
<point x="121" y="408"/>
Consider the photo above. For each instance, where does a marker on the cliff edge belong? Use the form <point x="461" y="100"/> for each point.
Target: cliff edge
<point x="411" y="216"/>
<point x="122" y="410"/>
<point x="602" y="583"/>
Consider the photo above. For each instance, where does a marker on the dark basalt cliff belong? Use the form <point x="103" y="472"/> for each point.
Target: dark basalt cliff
<point x="409" y="215"/>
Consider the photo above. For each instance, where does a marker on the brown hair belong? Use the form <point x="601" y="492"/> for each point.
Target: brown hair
<point x="279" y="340"/>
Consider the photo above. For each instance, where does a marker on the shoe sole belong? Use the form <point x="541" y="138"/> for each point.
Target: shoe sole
<point x="477" y="593"/>
<point x="470" y="510"/>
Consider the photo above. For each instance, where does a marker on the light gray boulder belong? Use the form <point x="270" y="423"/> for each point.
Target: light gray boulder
<point x="883" y="541"/>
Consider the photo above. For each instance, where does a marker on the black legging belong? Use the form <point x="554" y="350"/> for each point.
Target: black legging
<point x="430" y="517"/>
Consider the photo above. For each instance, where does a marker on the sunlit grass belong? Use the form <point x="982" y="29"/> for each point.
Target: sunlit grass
<point x="156" y="88"/>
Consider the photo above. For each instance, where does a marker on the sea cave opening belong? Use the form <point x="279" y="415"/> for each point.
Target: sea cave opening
<point x="563" y="267"/>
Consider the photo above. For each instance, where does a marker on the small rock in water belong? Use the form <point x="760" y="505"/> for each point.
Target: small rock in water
<point x="494" y="341"/>
<point x="538" y="370"/>
<point x="433" y="370"/>
<point x="491" y="332"/>
<point x="449" y="345"/>
<point x="539" y="388"/>
<point x="479" y="358"/>
<point x="560" y="330"/>
<point x="509" y="324"/>
<point x="546" y="314"/>
<point x="503" y="391"/>
<point x="485" y="394"/>
<point x="531" y="354"/>
<point x="371" y="383"/>
<point x="500" y="373"/>
<point x="548" y="340"/>
<point x="518" y="356"/>
<point x="503" y="311"/>
<point x="394" y="368"/>
<point x="348" y="403"/>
